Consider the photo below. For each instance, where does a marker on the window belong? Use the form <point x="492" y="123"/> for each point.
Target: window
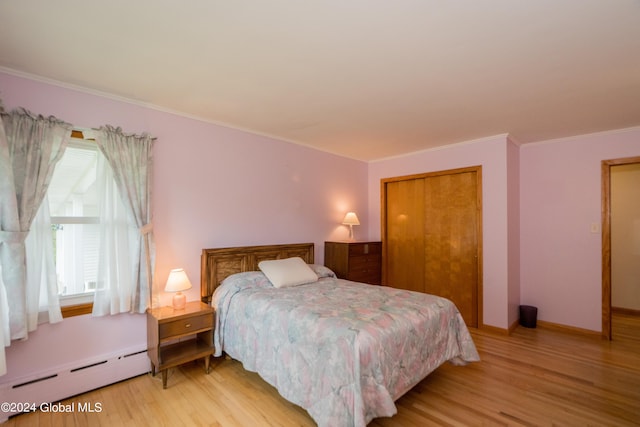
<point x="85" y="206"/>
<point x="73" y="205"/>
<point x="100" y="243"/>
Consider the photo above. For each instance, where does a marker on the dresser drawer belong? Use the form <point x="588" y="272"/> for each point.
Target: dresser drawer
<point x="367" y="262"/>
<point x="356" y="249"/>
<point x="365" y="268"/>
<point x="371" y="277"/>
<point x="186" y="326"/>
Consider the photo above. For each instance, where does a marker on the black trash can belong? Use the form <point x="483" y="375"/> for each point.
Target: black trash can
<point x="528" y="316"/>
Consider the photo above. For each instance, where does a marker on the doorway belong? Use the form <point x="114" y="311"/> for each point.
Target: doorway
<point x="609" y="168"/>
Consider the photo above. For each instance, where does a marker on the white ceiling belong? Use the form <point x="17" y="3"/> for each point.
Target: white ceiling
<point x="367" y="79"/>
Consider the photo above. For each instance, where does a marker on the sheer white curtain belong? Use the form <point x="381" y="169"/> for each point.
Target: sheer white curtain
<point x="30" y="146"/>
<point x="42" y="283"/>
<point x="131" y="160"/>
<point x="119" y="243"/>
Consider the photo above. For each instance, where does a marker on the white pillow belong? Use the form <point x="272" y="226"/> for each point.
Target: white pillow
<point x="287" y="272"/>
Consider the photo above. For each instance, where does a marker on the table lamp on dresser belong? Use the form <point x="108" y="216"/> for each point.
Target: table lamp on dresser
<point x="351" y="219"/>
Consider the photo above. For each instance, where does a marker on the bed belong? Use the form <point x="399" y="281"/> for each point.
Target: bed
<point x="342" y="350"/>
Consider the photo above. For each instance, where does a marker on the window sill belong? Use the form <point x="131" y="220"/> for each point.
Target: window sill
<point x="76" y="310"/>
<point x="70" y="310"/>
<point x="76" y="305"/>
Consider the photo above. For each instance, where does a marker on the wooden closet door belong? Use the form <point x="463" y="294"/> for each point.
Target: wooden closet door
<point x="405" y="234"/>
<point x="451" y="241"/>
<point x="432" y="236"/>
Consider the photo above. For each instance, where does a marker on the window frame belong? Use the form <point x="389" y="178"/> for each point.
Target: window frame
<point x="77" y="304"/>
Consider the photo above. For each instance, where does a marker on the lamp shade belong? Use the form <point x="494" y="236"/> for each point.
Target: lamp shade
<point x="177" y="281"/>
<point x="351" y="219"/>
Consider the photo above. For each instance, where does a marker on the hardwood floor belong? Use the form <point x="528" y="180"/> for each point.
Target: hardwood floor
<point x="532" y="377"/>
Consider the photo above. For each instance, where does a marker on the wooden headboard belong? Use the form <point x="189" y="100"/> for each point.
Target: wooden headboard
<point x="217" y="264"/>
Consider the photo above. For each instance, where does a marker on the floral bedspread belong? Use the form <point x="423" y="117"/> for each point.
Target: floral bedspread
<point x="342" y="350"/>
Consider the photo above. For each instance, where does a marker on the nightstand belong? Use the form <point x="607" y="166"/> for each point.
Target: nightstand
<point x="356" y="261"/>
<point x="175" y="337"/>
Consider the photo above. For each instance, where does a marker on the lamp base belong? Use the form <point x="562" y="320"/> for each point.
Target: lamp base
<point x="179" y="301"/>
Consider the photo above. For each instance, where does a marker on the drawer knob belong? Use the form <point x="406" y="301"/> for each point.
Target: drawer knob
<point x="188" y="325"/>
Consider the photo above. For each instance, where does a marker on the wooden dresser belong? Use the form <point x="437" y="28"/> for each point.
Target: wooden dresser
<point x="356" y="261"/>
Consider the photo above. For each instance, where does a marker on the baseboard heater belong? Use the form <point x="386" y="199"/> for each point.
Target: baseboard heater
<point x="73" y="379"/>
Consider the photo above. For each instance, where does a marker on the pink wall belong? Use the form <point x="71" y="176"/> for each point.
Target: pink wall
<point x="491" y="153"/>
<point x="561" y="263"/>
<point x="213" y="187"/>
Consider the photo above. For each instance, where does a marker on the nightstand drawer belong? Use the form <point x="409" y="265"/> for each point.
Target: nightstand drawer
<point x="186" y="326"/>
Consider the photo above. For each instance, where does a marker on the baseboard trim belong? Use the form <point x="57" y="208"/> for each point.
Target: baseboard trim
<point x="626" y="311"/>
<point x="494" y="329"/>
<point x="542" y="325"/>
<point x="513" y="326"/>
<point x="572" y="329"/>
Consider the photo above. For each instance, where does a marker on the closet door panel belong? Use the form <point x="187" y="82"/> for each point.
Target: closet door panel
<point x="405" y="236"/>
<point x="451" y="241"/>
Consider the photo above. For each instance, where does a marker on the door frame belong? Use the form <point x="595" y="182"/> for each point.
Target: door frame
<point x="383" y="224"/>
<point x="606" y="239"/>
